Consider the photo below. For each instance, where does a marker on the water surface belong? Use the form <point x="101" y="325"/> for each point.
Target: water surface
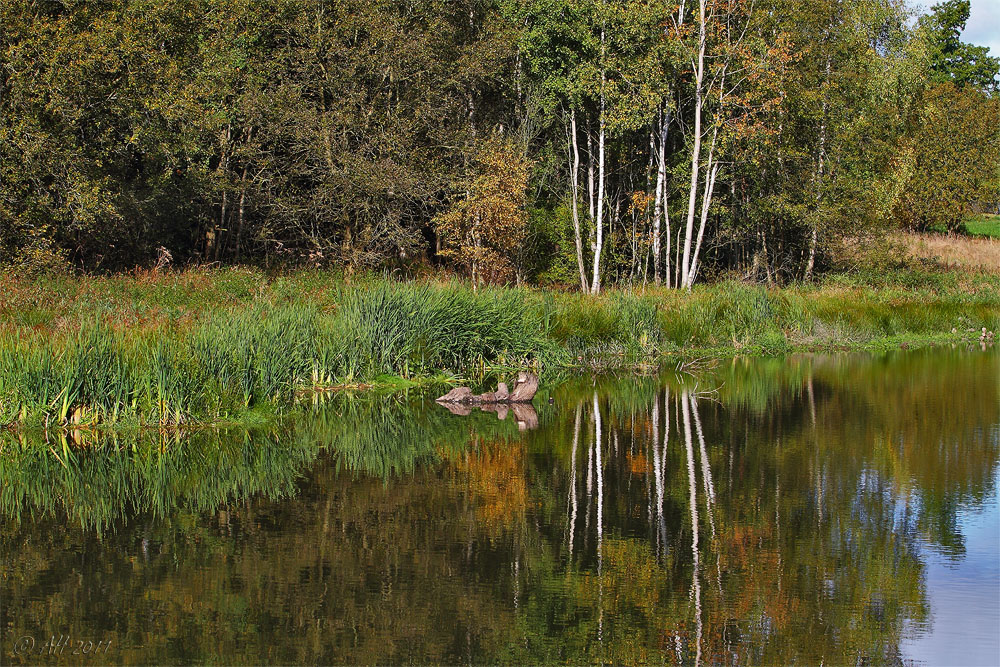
<point x="834" y="509"/>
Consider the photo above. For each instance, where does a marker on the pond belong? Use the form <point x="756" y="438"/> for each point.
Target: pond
<point x="834" y="509"/>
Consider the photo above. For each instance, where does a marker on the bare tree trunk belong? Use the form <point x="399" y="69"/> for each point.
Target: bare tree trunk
<point x="767" y="255"/>
<point x="661" y="172"/>
<point x="813" y="241"/>
<point x="677" y="259"/>
<point x="217" y="234"/>
<point x="239" y="217"/>
<point x="706" y="201"/>
<point x="666" y="254"/>
<point x="590" y="173"/>
<point x="476" y="246"/>
<point x="711" y="171"/>
<point x="214" y="242"/>
<point x="595" y="283"/>
<point x="666" y="213"/>
<point x="651" y="187"/>
<point x="575" y="187"/>
<point x="820" y="160"/>
<point x="696" y="148"/>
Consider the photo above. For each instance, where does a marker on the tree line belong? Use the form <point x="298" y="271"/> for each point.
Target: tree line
<point x="578" y="142"/>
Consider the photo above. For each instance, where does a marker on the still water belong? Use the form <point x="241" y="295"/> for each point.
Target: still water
<point x="835" y="509"/>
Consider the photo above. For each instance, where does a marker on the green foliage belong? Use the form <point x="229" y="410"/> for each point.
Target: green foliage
<point x="555" y="257"/>
<point x="485" y="230"/>
<point x="955" y="153"/>
<point x="952" y="60"/>
<point x="291" y="131"/>
<point x="397" y="135"/>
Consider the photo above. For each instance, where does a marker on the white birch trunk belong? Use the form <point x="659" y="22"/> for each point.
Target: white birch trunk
<point x="706" y="201"/>
<point x="575" y="187"/>
<point x="821" y="157"/>
<point x="590" y="173"/>
<point x="696" y="148"/>
<point x="658" y="206"/>
<point x="595" y="283"/>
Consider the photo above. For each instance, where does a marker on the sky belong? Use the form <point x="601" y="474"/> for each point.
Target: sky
<point x="983" y="28"/>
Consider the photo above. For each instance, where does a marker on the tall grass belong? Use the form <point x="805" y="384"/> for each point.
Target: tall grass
<point x="201" y="346"/>
<point x="387" y="328"/>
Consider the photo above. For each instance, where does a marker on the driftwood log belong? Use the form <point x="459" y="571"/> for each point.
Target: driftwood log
<point x="524" y="390"/>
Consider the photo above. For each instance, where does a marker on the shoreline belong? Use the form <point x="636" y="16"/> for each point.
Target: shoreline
<point x="688" y="362"/>
<point x="234" y="346"/>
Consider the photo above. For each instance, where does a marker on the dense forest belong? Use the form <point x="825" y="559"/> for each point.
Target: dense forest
<point x="573" y="142"/>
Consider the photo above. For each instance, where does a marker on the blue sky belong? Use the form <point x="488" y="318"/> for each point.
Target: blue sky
<point x="983" y="27"/>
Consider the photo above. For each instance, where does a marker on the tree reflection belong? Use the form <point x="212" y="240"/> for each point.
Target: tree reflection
<point x="776" y="519"/>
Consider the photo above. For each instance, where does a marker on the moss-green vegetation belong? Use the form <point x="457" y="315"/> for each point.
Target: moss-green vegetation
<point x="209" y="346"/>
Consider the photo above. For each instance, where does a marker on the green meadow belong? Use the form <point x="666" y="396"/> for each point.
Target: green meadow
<point x="984" y="225"/>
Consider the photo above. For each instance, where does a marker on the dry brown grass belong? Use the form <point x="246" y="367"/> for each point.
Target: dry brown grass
<point x="954" y="251"/>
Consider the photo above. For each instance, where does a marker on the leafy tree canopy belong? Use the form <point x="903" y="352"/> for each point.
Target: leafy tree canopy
<point x="955" y="61"/>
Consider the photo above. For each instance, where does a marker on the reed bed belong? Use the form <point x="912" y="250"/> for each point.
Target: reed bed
<point x="211" y="346"/>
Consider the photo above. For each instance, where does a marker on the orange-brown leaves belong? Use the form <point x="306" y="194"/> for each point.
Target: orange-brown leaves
<point x="482" y="231"/>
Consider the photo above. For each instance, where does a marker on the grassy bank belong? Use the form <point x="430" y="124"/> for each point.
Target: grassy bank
<point x="218" y="345"/>
<point x="986" y="225"/>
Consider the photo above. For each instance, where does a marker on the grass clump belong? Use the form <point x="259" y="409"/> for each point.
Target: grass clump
<point x="743" y="317"/>
<point x="597" y="330"/>
<point x="409" y="329"/>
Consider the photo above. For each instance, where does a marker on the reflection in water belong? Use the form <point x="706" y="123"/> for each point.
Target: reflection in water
<point x="524" y="413"/>
<point x="790" y="515"/>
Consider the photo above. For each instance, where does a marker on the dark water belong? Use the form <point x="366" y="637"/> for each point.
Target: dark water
<point x="811" y="510"/>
